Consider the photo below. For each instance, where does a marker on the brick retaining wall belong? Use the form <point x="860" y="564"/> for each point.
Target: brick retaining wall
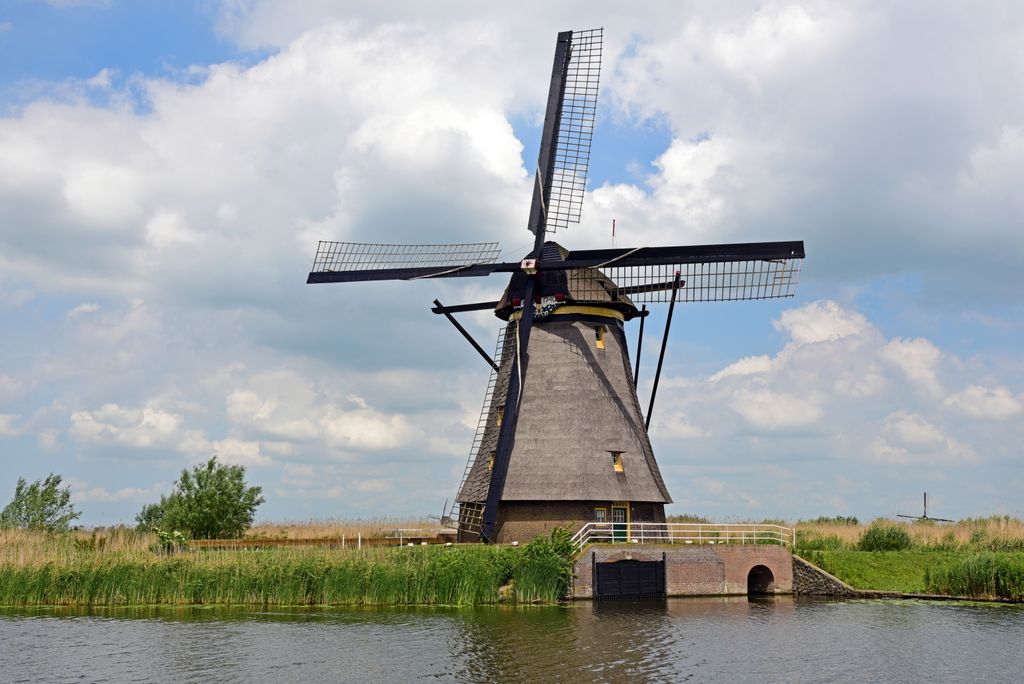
<point x="697" y="570"/>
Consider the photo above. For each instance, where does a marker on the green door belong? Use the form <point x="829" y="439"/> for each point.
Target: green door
<point x="620" y="524"/>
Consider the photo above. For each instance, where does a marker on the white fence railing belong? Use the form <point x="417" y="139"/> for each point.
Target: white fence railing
<point x="683" y="533"/>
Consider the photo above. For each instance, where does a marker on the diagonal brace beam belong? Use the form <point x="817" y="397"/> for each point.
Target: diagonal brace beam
<point x="465" y="333"/>
<point x="661" y="356"/>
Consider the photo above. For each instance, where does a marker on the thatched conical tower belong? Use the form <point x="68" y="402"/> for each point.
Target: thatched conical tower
<point x="581" y="450"/>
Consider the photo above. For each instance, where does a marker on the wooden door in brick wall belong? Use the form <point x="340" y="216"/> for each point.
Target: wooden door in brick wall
<point x="620" y="523"/>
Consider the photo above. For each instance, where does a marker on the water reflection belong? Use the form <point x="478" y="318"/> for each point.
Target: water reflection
<point x="716" y="639"/>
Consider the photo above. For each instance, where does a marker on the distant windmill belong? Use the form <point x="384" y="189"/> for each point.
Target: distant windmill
<point x="925" y="516"/>
<point x="561" y="438"/>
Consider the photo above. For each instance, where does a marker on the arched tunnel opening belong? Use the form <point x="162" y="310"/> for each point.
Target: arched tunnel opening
<point x="760" y="580"/>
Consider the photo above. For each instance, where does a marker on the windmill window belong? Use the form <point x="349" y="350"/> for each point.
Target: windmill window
<point x="617" y="461"/>
<point x="490" y="462"/>
<point x="600" y="515"/>
<point x="599" y="332"/>
<point x="501" y="414"/>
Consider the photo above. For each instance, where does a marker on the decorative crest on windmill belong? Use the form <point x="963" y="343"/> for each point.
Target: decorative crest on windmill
<point x="561" y="439"/>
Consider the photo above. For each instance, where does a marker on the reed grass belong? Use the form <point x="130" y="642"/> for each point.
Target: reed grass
<point x="993" y="533"/>
<point x="982" y="575"/>
<point x="37" y="569"/>
<point x="333" y="528"/>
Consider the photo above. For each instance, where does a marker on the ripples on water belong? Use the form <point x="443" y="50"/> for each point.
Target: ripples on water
<point x="721" y="639"/>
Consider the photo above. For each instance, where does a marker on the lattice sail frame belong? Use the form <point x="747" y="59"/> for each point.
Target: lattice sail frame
<point x="575" y="130"/>
<point x="722" y="281"/>
<point x="362" y="256"/>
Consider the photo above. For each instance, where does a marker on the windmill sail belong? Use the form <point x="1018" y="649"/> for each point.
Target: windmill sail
<point x="711" y="273"/>
<point x="706" y="282"/>
<point x="575" y="129"/>
<point x="355" y="261"/>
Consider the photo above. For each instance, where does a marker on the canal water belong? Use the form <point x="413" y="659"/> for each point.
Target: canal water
<point x="699" y="640"/>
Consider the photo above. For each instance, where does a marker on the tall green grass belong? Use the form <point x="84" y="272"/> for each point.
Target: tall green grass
<point x="457" y="575"/>
<point x="982" y="575"/>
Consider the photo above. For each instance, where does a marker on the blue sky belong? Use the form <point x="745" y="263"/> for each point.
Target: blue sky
<point x="56" y="41"/>
<point x="167" y="167"/>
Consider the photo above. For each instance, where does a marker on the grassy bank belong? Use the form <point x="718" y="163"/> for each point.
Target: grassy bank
<point x="977" y="557"/>
<point x="953" y="573"/>
<point x="903" y="571"/>
<point x="41" y="570"/>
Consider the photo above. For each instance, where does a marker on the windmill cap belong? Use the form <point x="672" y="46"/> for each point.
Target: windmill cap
<point x="580" y="286"/>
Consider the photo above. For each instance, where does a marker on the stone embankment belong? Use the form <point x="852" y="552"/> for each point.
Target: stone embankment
<point x="810" y="580"/>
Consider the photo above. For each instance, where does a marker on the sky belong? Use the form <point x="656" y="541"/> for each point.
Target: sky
<point x="167" y="168"/>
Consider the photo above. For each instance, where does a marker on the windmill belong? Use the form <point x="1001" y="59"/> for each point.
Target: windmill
<point x="561" y="438"/>
<point x="918" y="518"/>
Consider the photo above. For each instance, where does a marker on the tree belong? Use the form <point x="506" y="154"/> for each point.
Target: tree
<point x="42" y="505"/>
<point x="211" y="502"/>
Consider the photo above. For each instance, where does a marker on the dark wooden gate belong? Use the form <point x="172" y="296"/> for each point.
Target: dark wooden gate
<point x="629" y="579"/>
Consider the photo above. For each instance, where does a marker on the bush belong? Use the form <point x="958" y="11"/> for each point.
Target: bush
<point x="885" y="537"/>
<point x="42" y="505"/>
<point x="545" y="569"/>
<point x="211" y="502"/>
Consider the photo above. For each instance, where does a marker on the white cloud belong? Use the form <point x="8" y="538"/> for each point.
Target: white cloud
<point x="167" y="229"/>
<point x="994" y="166"/>
<point x="365" y="429"/>
<point x="102" y="79"/>
<point x="115" y="326"/>
<point x="372" y="486"/>
<point x="749" y="365"/>
<point x="689" y="179"/>
<point x="239" y="452"/>
<point x="86" y="492"/>
<point x="7" y="426"/>
<point x="303" y="470"/>
<point x="907" y="438"/>
<point x="102" y="192"/>
<point x="774" y="37"/>
<point x="996" y="403"/>
<point x="9" y="386"/>
<point x="678" y="425"/>
<point x="866" y="381"/>
<point x="769" y="410"/>
<point x="194" y="442"/>
<point x="48" y="442"/>
<point x="292" y="408"/>
<point x="823" y="321"/>
<point x="917" y="359"/>
<point x="84" y="308"/>
<point x="147" y="427"/>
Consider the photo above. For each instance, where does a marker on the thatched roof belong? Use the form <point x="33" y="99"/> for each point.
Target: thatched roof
<point x="579" y="405"/>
